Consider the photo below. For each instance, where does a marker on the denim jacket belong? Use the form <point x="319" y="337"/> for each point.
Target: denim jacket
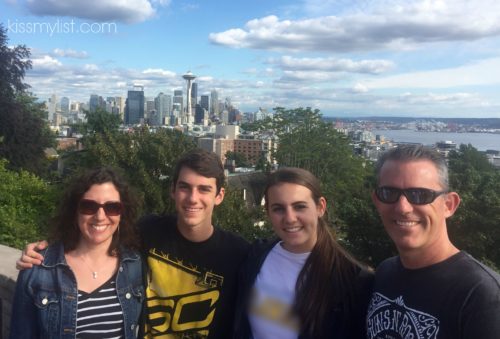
<point x="45" y="301"/>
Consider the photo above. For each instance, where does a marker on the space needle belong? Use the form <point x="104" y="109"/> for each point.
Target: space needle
<point x="189" y="77"/>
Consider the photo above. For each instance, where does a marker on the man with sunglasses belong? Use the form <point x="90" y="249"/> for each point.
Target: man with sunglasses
<point x="432" y="289"/>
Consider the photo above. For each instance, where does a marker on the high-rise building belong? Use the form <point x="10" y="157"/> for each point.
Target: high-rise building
<point x="150" y="104"/>
<point x="120" y="104"/>
<point x="52" y="107"/>
<point x="214" y="102"/>
<point x="134" y="106"/>
<point x="200" y="116"/>
<point x="65" y="105"/>
<point x="228" y="105"/>
<point x="260" y="114"/>
<point x="224" y="117"/>
<point x="93" y="102"/>
<point x="111" y="106"/>
<point x="163" y="106"/>
<point x="178" y="102"/>
<point x="194" y="94"/>
<point x="151" y="113"/>
<point x="204" y="102"/>
<point x="234" y="115"/>
<point x="75" y="106"/>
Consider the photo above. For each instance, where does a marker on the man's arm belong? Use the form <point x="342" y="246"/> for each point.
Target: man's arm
<point x="30" y="256"/>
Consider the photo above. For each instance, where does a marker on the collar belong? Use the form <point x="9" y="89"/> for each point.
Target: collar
<point x="54" y="255"/>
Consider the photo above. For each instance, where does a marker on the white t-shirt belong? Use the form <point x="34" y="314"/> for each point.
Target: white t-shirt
<point x="273" y="295"/>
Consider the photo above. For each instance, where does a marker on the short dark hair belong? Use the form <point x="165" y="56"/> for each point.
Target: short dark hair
<point x="412" y="152"/>
<point x="205" y="163"/>
<point x="66" y="227"/>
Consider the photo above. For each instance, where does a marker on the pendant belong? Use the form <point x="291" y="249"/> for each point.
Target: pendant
<point x="94" y="275"/>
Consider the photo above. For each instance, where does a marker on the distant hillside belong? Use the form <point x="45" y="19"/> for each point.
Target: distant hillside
<point x="481" y="122"/>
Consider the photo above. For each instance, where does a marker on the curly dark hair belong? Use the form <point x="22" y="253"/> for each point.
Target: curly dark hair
<point x="65" y="226"/>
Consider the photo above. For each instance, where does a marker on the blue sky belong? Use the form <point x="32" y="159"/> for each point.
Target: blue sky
<point x="344" y="57"/>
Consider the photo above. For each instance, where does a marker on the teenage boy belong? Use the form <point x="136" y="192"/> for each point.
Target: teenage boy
<point x="191" y="265"/>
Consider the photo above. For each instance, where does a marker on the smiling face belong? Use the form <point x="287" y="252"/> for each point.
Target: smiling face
<point x="98" y="228"/>
<point x="294" y="215"/>
<point x="195" y="198"/>
<point x="415" y="228"/>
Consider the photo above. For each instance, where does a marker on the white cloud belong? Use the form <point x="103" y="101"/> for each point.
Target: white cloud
<point x="308" y="76"/>
<point x="315" y="88"/>
<point x="162" y="2"/>
<point x="78" y="81"/>
<point x="190" y="7"/>
<point x="91" y="68"/>
<point x="233" y="38"/>
<point x="482" y="72"/>
<point x="127" y="11"/>
<point x="251" y="71"/>
<point x="460" y="98"/>
<point x="158" y="72"/>
<point x="359" y="88"/>
<point x="204" y="79"/>
<point x="392" y="24"/>
<point x="333" y="65"/>
<point x="46" y="64"/>
<point x="70" y="53"/>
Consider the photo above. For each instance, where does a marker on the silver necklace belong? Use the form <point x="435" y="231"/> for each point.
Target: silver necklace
<point x="94" y="273"/>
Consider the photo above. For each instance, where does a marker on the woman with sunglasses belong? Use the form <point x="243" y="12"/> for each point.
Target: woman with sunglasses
<point x="89" y="284"/>
<point x="304" y="284"/>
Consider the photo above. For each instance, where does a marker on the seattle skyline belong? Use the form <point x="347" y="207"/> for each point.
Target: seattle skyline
<point x="345" y="58"/>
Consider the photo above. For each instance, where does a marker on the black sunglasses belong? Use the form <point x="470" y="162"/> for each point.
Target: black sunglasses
<point x="90" y="207"/>
<point x="415" y="196"/>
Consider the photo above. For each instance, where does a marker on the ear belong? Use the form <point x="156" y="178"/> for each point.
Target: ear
<point x="374" y="198"/>
<point x="451" y="201"/>
<point x="220" y="196"/>
<point x="321" y="206"/>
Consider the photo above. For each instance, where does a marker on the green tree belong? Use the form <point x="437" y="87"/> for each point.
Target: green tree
<point x="24" y="134"/>
<point x="305" y="140"/>
<point x="233" y="215"/>
<point x="147" y="159"/>
<point x="239" y="159"/>
<point x="26" y="203"/>
<point x="263" y="164"/>
<point x="101" y="121"/>
<point x="14" y="62"/>
<point x="474" y="227"/>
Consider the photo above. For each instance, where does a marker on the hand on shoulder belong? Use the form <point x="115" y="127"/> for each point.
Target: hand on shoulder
<point x="30" y="255"/>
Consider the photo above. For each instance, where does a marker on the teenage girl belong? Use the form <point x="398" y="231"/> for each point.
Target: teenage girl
<point x="303" y="284"/>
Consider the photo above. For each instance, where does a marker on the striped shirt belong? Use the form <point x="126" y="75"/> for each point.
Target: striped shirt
<point x="99" y="313"/>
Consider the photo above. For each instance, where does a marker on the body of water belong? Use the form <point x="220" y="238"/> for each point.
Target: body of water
<point x="481" y="141"/>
